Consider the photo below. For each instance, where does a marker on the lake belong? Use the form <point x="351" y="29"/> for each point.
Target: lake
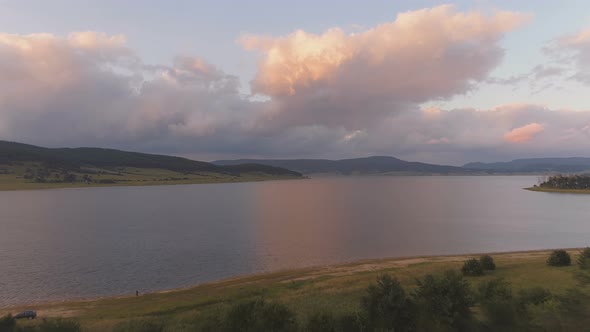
<point x="91" y="242"/>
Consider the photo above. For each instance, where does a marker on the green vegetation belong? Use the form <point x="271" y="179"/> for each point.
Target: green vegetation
<point x="472" y="267"/>
<point x="576" y="184"/>
<point x="46" y="325"/>
<point x="584" y="259"/>
<point x="487" y="262"/>
<point x="386" y="306"/>
<point x="416" y="294"/>
<point x="30" y="167"/>
<point x="559" y="258"/>
<point x="7" y="323"/>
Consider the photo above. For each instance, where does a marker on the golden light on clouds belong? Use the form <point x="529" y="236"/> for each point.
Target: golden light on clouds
<point x="524" y="133"/>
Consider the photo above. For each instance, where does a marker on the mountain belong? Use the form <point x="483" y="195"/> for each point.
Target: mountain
<point x="369" y="165"/>
<point x="535" y="165"/>
<point x="79" y="159"/>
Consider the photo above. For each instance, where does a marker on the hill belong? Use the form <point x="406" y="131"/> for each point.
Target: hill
<point x="369" y="165"/>
<point x="22" y="165"/>
<point x="535" y="165"/>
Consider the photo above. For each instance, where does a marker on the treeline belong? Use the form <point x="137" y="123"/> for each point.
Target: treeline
<point x="581" y="182"/>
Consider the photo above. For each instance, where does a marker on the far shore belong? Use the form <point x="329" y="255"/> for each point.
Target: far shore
<point x="304" y="289"/>
<point x="556" y="190"/>
<point x="17" y="186"/>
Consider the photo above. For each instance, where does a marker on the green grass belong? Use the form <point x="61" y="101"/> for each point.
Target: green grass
<point x="125" y="176"/>
<point x="557" y="190"/>
<point x="305" y="291"/>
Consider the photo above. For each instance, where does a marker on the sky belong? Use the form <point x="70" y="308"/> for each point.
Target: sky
<point x="419" y="80"/>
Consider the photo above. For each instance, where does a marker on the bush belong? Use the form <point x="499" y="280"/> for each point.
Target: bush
<point x="140" y="325"/>
<point x="260" y="316"/>
<point x="494" y="289"/>
<point x="386" y="305"/>
<point x="487" y="262"/>
<point x="7" y="323"/>
<point x="472" y="267"/>
<point x="533" y="296"/>
<point x="559" y="258"/>
<point x="584" y="259"/>
<point x="352" y="323"/>
<point x="443" y="302"/>
<point x="321" y="322"/>
<point x="52" y="325"/>
<point x="498" y="304"/>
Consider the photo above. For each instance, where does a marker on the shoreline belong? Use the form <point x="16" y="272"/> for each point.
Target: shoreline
<point x="315" y="271"/>
<point x="558" y="191"/>
<point x="26" y="186"/>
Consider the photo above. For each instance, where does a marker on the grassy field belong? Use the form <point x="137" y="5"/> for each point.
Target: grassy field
<point x="304" y="291"/>
<point x="123" y="176"/>
<point x="555" y="190"/>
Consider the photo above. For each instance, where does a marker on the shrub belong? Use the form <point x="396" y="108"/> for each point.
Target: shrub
<point x="7" y="323"/>
<point x="140" y="325"/>
<point x="584" y="259"/>
<point x="59" y="325"/>
<point x="533" y="296"/>
<point x="260" y="316"/>
<point x="386" y="305"/>
<point x="559" y="258"/>
<point x="352" y="323"/>
<point x="472" y="267"/>
<point x="494" y="289"/>
<point x="498" y="304"/>
<point x="487" y="262"/>
<point x="443" y="302"/>
<point x="321" y="322"/>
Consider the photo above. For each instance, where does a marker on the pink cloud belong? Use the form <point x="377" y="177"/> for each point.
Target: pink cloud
<point x="524" y="133"/>
<point x="423" y="54"/>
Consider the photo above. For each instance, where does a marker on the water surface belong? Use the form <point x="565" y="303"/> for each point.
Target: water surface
<point x="90" y="242"/>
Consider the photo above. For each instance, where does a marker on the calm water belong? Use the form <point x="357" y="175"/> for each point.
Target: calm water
<point x="71" y="243"/>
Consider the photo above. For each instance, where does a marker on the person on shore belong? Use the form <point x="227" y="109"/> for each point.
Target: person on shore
<point x="136" y="293"/>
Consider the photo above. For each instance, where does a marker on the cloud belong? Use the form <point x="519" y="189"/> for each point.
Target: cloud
<point x="524" y="133"/>
<point x="91" y="89"/>
<point x="338" y="78"/>
<point x="329" y="95"/>
<point x="573" y="52"/>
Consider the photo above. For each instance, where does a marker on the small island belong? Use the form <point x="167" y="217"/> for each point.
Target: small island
<point x="574" y="184"/>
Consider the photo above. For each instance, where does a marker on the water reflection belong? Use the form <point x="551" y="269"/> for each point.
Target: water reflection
<point x="58" y="244"/>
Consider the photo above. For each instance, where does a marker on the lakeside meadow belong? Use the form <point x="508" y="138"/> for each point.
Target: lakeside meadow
<point x="522" y="292"/>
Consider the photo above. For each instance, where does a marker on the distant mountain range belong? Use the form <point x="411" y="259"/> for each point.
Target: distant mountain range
<point x="385" y="165"/>
<point x="77" y="158"/>
<point x="535" y="165"/>
<point x="369" y="165"/>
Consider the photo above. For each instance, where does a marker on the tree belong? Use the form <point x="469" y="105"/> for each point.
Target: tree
<point x="258" y="315"/>
<point x="444" y="302"/>
<point x="584" y="259"/>
<point x="321" y="322"/>
<point x="487" y="262"/>
<point x="559" y="258"/>
<point x="472" y="267"/>
<point x="7" y="323"/>
<point x="498" y="305"/>
<point x="387" y="307"/>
